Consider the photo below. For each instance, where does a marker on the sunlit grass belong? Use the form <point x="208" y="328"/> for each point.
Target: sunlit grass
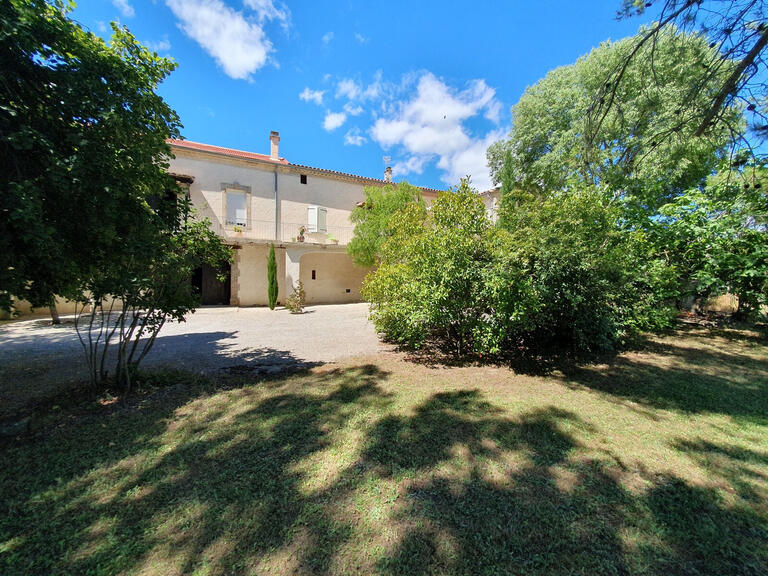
<point x="653" y="462"/>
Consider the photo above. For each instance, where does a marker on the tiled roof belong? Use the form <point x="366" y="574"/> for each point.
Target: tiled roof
<point x="226" y="151"/>
<point x="264" y="158"/>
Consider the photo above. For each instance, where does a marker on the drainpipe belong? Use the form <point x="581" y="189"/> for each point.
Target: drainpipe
<point x="277" y="210"/>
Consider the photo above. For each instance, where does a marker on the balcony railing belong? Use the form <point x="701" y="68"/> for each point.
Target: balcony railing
<point x="251" y="229"/>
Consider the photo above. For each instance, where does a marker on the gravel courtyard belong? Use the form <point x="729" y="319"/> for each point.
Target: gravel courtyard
<point x="33" y="353"/>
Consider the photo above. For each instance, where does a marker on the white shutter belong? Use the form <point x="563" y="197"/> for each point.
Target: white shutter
<point x="312" y="218"/>
<point x="322" y="214"/>
<point x="237" y="209"/>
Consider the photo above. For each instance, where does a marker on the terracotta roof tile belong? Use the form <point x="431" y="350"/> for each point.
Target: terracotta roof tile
<point x="226" y="151"/>
<point x="264" y="158"/>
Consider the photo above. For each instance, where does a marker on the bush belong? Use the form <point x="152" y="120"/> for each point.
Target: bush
<point x="561" y="273"/>
<point x="444" y="276"/>
<point x="597" y="283"/>
<point x="297" y="300"/>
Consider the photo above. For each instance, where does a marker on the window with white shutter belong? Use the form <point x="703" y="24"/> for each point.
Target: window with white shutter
<point x="316" y="219"/>
<point x="237" y="208"/>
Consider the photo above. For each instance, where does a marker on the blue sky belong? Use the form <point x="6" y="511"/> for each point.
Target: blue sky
<point x="427" y="84"/>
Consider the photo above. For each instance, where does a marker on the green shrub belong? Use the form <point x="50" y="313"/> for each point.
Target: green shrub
<point x="597" y="282"/>
<point x="297" y="300"/>
<point x="563" y="272"/>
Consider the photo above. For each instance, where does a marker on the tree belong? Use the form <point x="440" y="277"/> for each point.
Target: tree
<point x="431" y="285"/>
<point x="372" y="217"/>
<point x="124" y="307"/>
<point x="716" y="238"/>
<point x="271" y="278"/>
<point x="83" y="144"/>
<point x="89" y="211"/>
<point x="642" y="153"/>
<point x="734" y="73"/>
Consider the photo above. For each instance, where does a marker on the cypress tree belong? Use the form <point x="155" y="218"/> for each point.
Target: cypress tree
<point x="272" y="278"/>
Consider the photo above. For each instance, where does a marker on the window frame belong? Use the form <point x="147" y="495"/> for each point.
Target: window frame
<point x="226" y="189"/>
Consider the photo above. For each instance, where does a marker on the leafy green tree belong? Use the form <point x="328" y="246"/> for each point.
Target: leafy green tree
<point x="737" y="30"/>
<point x="716" y="238"/>
<point x="125" y="306"/>
<point x="428" y="284"/>
<point x="89" y="211"/>
<point x="597" y="284"/>
<point x="83" y="144"/>
<point x="372" y="218"/>
<point x="643" y="152"/>
<point x="271" y="278"/>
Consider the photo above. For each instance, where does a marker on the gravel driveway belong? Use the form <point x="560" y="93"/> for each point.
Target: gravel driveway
<point x="37" y="358"/>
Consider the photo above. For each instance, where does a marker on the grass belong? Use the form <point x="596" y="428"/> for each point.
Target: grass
<point x="653" y="463"/>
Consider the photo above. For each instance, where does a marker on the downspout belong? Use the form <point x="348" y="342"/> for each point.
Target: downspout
<point x="277" y="209"/>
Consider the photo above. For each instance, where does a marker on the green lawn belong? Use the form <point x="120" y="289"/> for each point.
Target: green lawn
<point x="654" y="463"/>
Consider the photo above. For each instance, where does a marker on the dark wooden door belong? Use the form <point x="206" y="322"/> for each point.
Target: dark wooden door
<point x="213" y="290"/>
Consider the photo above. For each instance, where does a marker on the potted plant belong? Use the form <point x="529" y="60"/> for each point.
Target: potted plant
<point x="332" y="239"/>
<point x="300" y="237"/>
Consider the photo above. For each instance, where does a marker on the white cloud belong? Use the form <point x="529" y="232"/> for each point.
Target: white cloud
<point x="360" y="38"/>
<point x="353" y="137"/>
<point x="333" y="120"/>
<point x="159" y="46"/>
<point x="327" y="37"/>
<point x="432" y="124"/>
<point x="238" y="45"/>
<point x="267" y="11"/>
<point x="101" y="26"/>
<point x="353" y="109"/>
<point x="471" y="161"/>
<point x="315" y="96"/>
<point x="412" y="165"/>
<point x="353" y="90"/>
<point x="348" y="88"/>
<point x="124" y="7"/>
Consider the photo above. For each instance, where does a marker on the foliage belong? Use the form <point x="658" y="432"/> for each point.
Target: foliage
<point x="738" y="31"/>
<point x="297" y="299"/>
<point x="563" y="273"/>
<point x="271" y="278"/>
<point x="716" y="238"/>
<point x="372" y="217"/>
<point x="642" y="152"/>
<point x="90" y="211"/>
<point x="128" y="303"/>
<point x="83" y="148"/>
<point x="596" y="283"/>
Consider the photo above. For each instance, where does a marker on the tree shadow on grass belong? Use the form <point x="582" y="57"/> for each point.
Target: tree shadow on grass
<point x="552" y="513"/>
<point x="221" y="482"/>
<point x="677" y="377"/>
<point x="205" y="479"/>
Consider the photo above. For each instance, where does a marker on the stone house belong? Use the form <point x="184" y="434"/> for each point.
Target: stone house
<point x="253" y="200"/>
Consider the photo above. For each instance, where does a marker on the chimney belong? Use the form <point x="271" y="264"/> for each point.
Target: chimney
<point x="274" y="138"/>
<point x="388" y="174"/>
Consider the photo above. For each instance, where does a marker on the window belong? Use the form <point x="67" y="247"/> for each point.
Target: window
<point x="303" y="178"/>
<point x="316" y="219"/>
<point x="237" y="207"/>
<point x="314" y="275"/>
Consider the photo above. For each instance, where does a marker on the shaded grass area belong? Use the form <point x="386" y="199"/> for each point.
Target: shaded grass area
<point x="654" y="463"/>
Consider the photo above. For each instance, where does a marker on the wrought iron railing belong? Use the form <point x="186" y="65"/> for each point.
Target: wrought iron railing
<point x="253" y="229"/>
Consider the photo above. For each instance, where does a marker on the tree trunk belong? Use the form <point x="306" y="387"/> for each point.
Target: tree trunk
<point x="54" y="314"/>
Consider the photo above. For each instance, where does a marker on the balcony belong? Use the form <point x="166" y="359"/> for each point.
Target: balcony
<point x="249" y="230"/>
